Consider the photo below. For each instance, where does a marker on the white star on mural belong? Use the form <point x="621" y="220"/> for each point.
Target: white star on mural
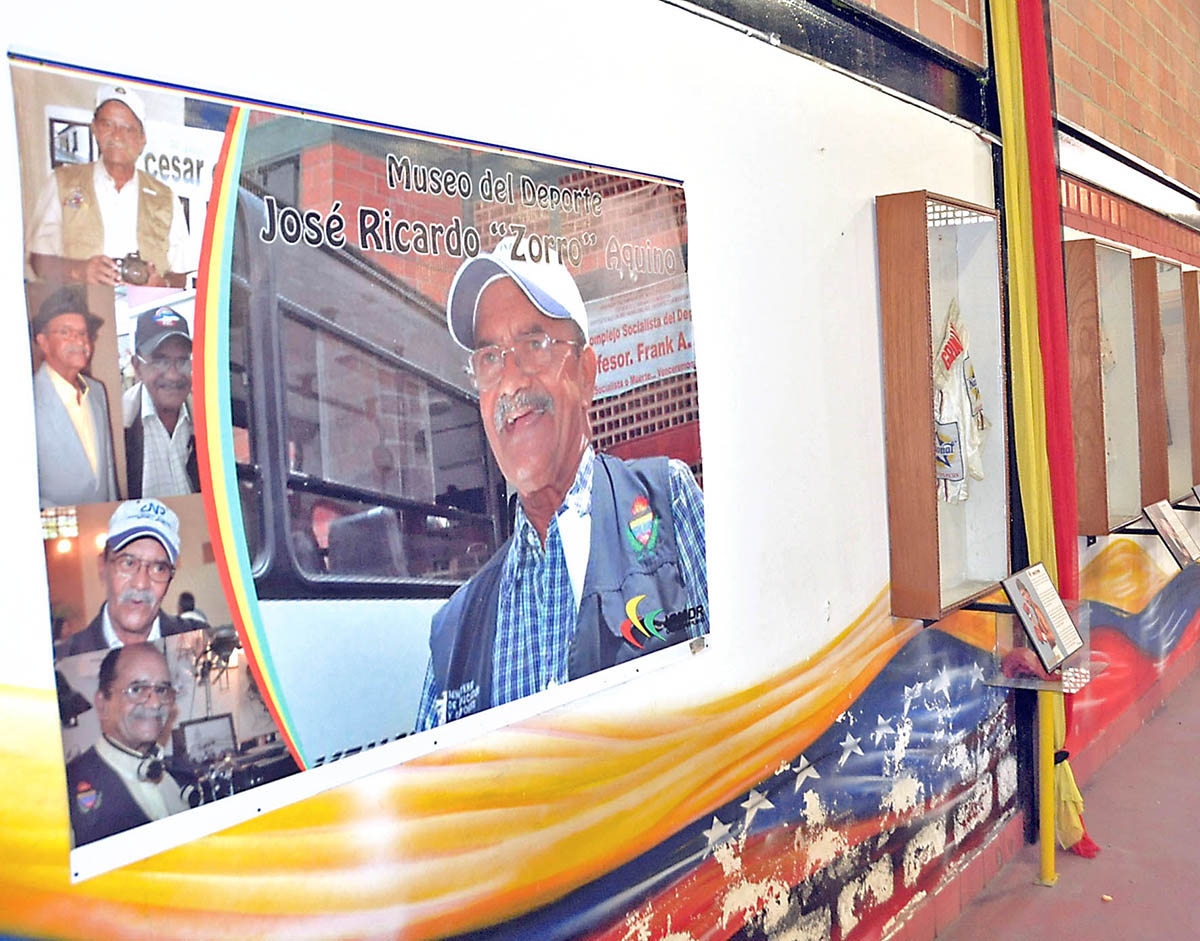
<point x="976" y="674"/>
<point x="882" y="728"/>
<point x="717" y="832"/>
<point x="849" y="747"/>
<point x="753" y="804"/>
<point x="911" y="692"/>
<point x="941" y="684"/>
<point x="803" y="773"/>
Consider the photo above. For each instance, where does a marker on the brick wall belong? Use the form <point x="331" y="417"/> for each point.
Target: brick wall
<point x="1090" y="209"/>
<point x="1128" y="71"/>
<point x="958" y="25"/>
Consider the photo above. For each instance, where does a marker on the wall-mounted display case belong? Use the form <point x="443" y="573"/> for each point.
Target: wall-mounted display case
<point x="1190" y="281"/>
<point x="1151" y="400"/>
<point x="1104" y="385"/>
<point x="944" y="393"/>
<point x="1176" y="386"/>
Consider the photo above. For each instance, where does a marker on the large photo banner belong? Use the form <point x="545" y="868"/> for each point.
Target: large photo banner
<point x="347" y="434"/>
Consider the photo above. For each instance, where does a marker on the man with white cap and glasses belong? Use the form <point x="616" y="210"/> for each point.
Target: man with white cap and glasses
<point x="606" y="561"/>
<point x="90" y="217"/>
<point x="136" y="567"/>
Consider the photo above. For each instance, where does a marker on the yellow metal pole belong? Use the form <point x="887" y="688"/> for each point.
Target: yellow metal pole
<point x="1046" y="874"/>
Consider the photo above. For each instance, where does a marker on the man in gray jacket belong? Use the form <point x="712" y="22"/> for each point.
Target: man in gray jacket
<point x="74" y="438"/>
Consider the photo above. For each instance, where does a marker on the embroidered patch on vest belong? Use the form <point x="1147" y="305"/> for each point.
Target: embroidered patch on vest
<point x="456" y="703"/>
<point x="643" y="526"/>
<point x="87" y="798"/>
<point x="75" y="200"/>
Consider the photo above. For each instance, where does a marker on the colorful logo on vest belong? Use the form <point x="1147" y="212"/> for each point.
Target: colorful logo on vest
<point x="87" y="798"/>
<point x="651" y="626"/>
<point x="647" y="627"/>
<point x="643" y="526"/>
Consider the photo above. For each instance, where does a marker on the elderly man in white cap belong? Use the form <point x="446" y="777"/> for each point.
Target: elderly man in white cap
<point x="606" y="562"/>
<point x="91" y="217"/>
<point x="136" y="567"/>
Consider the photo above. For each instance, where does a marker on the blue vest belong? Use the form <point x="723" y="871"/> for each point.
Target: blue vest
<point x="633" y="553"/>
<point x="101" y="805"/>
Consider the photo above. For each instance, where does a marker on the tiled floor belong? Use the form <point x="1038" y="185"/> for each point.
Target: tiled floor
<point x="1143" y="809"/>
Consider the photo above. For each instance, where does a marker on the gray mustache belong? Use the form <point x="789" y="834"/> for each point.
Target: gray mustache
<point x="159" y="714"/>
<point x="144" y="595"/>
<point x="521" y="400"/>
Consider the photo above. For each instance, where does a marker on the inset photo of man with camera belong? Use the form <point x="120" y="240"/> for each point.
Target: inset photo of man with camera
<point x="108" y="221"/>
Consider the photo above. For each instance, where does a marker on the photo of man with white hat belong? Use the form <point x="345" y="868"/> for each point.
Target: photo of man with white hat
<point x="607" y="559"/>
<point x="136" y="568"/>
<point x="91" y="217"/>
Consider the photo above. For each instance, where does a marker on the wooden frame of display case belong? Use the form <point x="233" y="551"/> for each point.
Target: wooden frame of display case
<point x="909" y="308"/>
<point x="1099" y="295"/>
<point x="1191" y="319"/>
<point x="1152" y="403"/>
<point x="1180" y="405"/>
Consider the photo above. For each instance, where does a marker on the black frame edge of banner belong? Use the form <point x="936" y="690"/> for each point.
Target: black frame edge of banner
<point x="855" y="38"/>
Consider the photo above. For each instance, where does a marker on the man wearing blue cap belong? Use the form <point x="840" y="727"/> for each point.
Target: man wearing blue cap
<point x="74" y="438"/>
<point x="137" y="566"/>
<point x="606" y="561"/>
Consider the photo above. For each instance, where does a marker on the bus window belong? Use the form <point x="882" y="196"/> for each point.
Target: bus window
<point x="358" y="468"/>
<point x="344" y="537"/>
<point x="358" y="422"/>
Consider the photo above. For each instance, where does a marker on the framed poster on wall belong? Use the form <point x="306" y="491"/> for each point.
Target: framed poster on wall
<point x="328" y="371"/>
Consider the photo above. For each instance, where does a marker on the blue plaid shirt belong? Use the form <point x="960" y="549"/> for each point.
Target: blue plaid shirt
<point x="538" y="607"/>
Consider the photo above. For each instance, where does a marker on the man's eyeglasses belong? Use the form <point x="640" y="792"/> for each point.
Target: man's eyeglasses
<point x="105" y="124"/>
<point x="534" y="354"/>
<point x="157" y="363"/>
<point x="140" y="692"/>
<point x="70" y="333"/>
<point x="127" y="566"/>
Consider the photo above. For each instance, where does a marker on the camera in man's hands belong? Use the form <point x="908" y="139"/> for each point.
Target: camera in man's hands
<point x="133" y="269"/>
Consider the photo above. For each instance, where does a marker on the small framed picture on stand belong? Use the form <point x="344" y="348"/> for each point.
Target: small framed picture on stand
<point x="1175" y="535"/>
<point x="1042" y="614"/>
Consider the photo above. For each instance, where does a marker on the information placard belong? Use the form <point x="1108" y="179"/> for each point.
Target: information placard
<point x="1043" y="616"/>
<point x="1175" y="536"/>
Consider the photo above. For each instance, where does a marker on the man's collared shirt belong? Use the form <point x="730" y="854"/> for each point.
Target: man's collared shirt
<point x="119" y="212"/>
<point x="539" y="598"/>
<point x="164" y="456"/>
<point x="110" y="635"/>
<point x="74" y="398"/>
<point x="157" y="800"/>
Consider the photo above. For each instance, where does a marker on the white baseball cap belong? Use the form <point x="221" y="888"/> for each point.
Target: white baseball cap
<point x="547" y="283"/>
<point x="139" y="519"/>
<point x="127" y="96"/>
